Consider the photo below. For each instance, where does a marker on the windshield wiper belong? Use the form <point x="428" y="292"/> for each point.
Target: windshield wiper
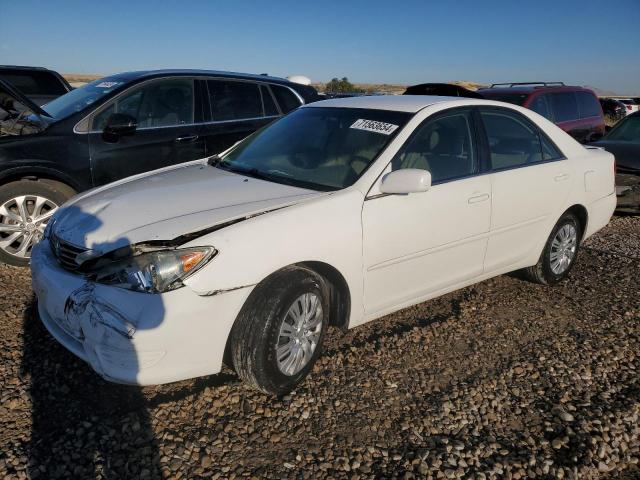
<point x="214" y="160"/>
<point x="250" y="172"/>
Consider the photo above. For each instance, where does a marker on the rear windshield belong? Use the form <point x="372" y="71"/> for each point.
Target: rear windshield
<point x="34" y="82"/>
<point x="628" y="130"/>
<point x="514" y="98"/>
<point x="80" y="98"/>
<point x="321" y="148"/>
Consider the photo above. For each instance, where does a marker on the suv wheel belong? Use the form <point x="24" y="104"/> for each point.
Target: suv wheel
<point x="25" y="208"/>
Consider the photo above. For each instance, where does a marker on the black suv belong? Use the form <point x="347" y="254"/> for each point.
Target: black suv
<point x="36" y="83"/>
<point x="119" y="126"/>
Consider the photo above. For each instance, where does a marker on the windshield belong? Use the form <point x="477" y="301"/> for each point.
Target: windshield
<point x="321" y="148"/>
<point x="628" y="130"/>
<point x="514" y="98"/>
<point x="81" y="97"/>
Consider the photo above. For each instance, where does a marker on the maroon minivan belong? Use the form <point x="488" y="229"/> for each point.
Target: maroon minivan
<point x="574" y="109"/>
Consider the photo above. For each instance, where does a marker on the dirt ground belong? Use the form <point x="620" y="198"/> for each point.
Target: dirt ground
<point x="504" y="379"/>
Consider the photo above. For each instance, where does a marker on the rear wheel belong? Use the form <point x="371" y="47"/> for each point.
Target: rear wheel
<point x="25" y="209"/>
<point x="559" y="252"/>
<point x="278" y="334"/>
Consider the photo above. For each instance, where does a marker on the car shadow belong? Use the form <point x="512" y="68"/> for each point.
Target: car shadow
<point x="82" y="425"/>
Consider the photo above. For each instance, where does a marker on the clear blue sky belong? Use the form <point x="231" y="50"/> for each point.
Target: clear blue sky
<point x="585" y="42"/>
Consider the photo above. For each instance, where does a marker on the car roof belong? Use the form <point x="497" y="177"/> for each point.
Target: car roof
<point x="398" y="103"/>
<point x="147" y="74"/>
<point x="526" y="89"/>
<point x="23" y="67"/>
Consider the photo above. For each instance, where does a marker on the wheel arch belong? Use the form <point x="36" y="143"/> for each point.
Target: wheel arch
<point x="340" y="295"/>
<point x="39" y="173"/>
<point x="582" y="214"/>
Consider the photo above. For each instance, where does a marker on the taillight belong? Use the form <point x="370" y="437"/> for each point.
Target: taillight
<point x="629" y="107"/>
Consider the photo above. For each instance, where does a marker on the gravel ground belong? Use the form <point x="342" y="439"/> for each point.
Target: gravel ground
<point x="504" y="379"/>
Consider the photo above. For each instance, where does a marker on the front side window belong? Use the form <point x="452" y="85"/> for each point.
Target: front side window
<point x="565" y="106"/>
<point x="588" y="105"/>
<point x="442" y="146"/>
<point x="285" y="97"/>
<point x="512" y="141"/>
<point x="317" y="147"/>
<point x="156" y="104"/>
<point x="231" y="100"/>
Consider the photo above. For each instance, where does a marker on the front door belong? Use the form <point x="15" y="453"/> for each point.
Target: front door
<point x="169" y="130"/>
<point x="418" y="244"/>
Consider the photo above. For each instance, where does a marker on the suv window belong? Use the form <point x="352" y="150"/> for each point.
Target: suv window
<point x="512" y="141"/>
<point x="540" y="105"/>
<point x="34" y="82"/>
<point x="565" y="106"/>
<point x="286" y="99"/>
<point x="270" y="108"/>
<point x="232" y="100"/>
<point x="443" y="146"/>
<point x="588" y="105"/>
<point x="157" y="104"/>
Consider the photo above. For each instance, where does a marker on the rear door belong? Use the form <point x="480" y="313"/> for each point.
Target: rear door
<point x="529" y="181"/>
<point x="168" y="113"/>
<point x="235" y="109"/>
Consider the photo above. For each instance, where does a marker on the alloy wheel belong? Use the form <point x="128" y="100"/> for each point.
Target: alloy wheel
<point x="299" y="334"/>
<point x="563" y="248"/>
<point x="22" y="223"/>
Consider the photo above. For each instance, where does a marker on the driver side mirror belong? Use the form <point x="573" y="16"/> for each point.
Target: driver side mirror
<point x="406" y="180"/>
<point x="119" y="125"/>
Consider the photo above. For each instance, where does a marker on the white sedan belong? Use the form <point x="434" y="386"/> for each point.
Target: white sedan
<point x="337" y="214"/>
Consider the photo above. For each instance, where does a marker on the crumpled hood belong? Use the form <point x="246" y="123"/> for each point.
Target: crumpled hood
<point x="167" y="204"/>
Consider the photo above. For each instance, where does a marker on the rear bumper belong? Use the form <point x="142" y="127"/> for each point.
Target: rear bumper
<point x="599" y="214"/>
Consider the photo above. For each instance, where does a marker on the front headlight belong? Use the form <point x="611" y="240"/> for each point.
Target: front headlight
<point x="154" y="272"/>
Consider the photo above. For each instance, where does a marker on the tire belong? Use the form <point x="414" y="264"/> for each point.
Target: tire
<point x="256" y="343"/>
<point x="18" y="234"/>
<point x="552" y="267"/>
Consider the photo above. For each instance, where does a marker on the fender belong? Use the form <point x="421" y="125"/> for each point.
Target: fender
<point x="15" y="173"/>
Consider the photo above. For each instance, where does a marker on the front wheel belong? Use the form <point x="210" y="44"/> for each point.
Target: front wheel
<point x="559" y="252"/>
<point x="25" y="208"/>
<point x="278" y="334"/>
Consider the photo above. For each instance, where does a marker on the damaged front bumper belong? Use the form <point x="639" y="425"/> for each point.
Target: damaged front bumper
<point x="130" y="337"/>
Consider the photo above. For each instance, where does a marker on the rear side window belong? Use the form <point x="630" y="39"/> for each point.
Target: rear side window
<point x="234" y="100"/>
<point x="512" y="141"/>
<point x="565" y="106"/>
<point x="540" y="105"/>
<point x="270" y="108"/>
<point x="35" y="82"/>
<point x="285" y="97"/>
<point x="588" y="105"/>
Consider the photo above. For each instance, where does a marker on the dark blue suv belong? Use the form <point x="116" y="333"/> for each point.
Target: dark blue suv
<point x="119" y="126"/>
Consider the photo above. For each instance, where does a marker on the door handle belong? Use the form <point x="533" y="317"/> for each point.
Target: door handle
<point x="560" y="178"/>
<point x="478" y="198"/>
<point x="187" y="138"/>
